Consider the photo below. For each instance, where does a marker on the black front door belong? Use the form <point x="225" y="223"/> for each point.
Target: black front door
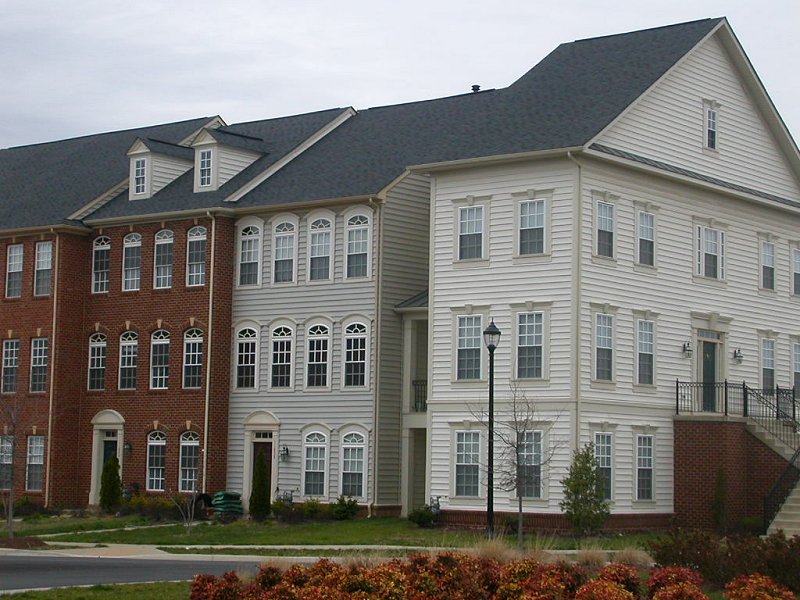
<point x="109" y="449"/>
<point x="709" y="366"/>
<point x="264" y="448"/>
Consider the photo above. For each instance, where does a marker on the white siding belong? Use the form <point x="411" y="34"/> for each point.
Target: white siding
<point x="166" y="170"/>
<point x="667" y="124"/>
<point x="232" y="161"/>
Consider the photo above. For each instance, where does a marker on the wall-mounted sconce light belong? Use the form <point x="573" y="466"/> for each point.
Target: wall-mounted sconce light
<point x="687" y="348"/>
<point x="284" y="453"/>
<point x="127" y="448"/>
<point x="738" y="356"/>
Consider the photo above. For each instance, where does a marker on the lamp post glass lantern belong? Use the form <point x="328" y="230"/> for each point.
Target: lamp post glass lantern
<point x="491" y="337"/>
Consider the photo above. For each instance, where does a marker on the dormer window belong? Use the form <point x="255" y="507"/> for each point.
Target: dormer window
<point x="140" y="176"/>
<point x="205" y="168"/>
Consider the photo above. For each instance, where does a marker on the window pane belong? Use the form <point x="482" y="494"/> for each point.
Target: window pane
<point x="101" y="265"/>
<point x="470" y="238"/>
<point x="604" y="347"/>
<point x="163" y="259"/>
<point x="192" y="358"/>
<point x="602" y="449"/>
<point x="317" y="361"/>
<point x="531" y="227"/>
<point x="14" y="271"/>
<point x="44" y="263"/>
<point x="355" y="365"/>
<point x="281" y="358"/>
<point x="97" y="362"/>
<point x="605" y="229"/>
<point x="246" y="359"/>
<point x="467" y="463"/>
<point x="190" y="460"/>
<point x="644" y="467"/>
<point x="529" y="345"/>
<point x="10" y="366"/>
<point x="128" y="359"/>
<point x="468" y="356"/>
<point x="196" y="257"/>
<point x="159" y="360"/>
<point x="39" y="352"/>
<point x="34" y="476"/>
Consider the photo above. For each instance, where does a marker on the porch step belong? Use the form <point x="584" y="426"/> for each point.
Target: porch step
<point x="788" y="517"/>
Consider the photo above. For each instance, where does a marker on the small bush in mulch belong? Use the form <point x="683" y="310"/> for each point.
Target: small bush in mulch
<point x="22" y="543"/>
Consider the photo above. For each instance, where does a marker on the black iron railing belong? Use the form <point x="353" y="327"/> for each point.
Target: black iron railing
<point x="420" y="395"/>
<point x="781" y="489"/>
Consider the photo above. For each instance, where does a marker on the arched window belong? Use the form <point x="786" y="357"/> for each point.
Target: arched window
<point x="192" y="358"/>
<point x="319" y="250"/>
<point x="190" y="461"/>
<point x="97" y="361"/>
<point x="128" y="359"/>
<point x="162" y="269"/>
<point x="281" y="358"/>
<point x="318" y="356"/>
<point x="156" y="461"/>
<point x="132" y="262"/>
<point x="284" y="242"/>
<point x="357" y="254"/>
<point x="101" y="264"/>
<point x="196" y="256"/>
<point x="355" y="355"/>
<point x="314" y="463"/>
<point x="159" y="360"/>
<point x="249" y="255"/>
<point x="353" y="446"/>
<point x="246" y="356"/>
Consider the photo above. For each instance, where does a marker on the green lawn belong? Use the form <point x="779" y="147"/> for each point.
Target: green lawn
<point x="41" y="525"/>
<point x="162" y="591"/>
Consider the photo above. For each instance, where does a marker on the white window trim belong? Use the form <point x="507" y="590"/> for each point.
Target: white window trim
<point x="596" y="433"/>
<point x="136" y="192"/>
<point x="331" y="218"/>
<point x="6" y="346"/>
<point x="132" y="240"/>
<point x="794" y="258"/>
<point x="611" y="311"/>
<point x="37" y="258"/>
<point x="546" y="197"/>
<point x="468" y="312"/>
<point x="645" y="315"/>
<point x="612" y="200"/>
<point x="97" y="340"/>
<point x="162" y="238"/>
<point x="367" y="350"/>
<point x="638" y="237"/>
<point x="326" y="432"/>
<point x="763" y="338"/>
<point x="234" y="371"/>
<point x="354" y="212"/>
<point x="715" y="106"/>
<point x="165" y="339"/>
<point x="128" y="343"/>
<point x="199" y="186"/>
<point x="293" y="341"/>
<point x="471" y="202"/>
<point x="102" y="242"/>
<point x="156" y="438"/>
<point x="20" y="270"/>
<point x="636" y="435"/>
<point x="698" y="231"/>
<point x="274" y="223"/>
<point x="348" y="430"/>
<point x="200" y="234"/>
<point x="41" y="455"/>
<point x="543" y="429"/>
<point x="531" y="307"/>
<point x="192" y="340"/>
<point x="46" y="365"/>
<point x="189" y="439"/>
<point x="764" y="239"/>
<point x="454" y="457"/>
<point x="329" y="378"/>
<point x="240" y="226"/>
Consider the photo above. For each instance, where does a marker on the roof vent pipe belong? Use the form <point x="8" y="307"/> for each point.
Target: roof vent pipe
<point x="476" y="88"/>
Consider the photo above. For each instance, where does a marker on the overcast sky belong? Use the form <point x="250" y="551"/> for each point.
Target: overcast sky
<point x="70" y="68"/>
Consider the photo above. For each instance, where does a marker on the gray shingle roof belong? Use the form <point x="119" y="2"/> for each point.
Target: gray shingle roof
<point x="169" y="149"/>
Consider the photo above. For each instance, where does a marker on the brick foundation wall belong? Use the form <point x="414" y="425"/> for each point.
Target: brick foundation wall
<point x="556" y="521"/>
<point x="706" y="451"/>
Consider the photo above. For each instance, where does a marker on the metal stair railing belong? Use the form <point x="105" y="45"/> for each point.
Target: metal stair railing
<point x="775" y="411"/>
<point x="781" y="489"/>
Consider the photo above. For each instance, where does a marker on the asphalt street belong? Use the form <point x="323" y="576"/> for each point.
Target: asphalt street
<point x="22" y="572"/>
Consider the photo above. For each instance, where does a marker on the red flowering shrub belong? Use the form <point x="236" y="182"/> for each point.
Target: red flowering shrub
<point x="666" y="576"/>
<point x="209" y="587"/>
<point x="268" y="575"/>
<point x="553" y="582"/>
<point x="449" y="575"/>
<point x="603" y="589"/>
<point x="623" y="575"/>
<point x="680" y="591"/>
<point x="757" y="587"/>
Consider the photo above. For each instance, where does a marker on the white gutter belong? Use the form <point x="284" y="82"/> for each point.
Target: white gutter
<point x="52" y="351"/>
<point x="210" y="326"/>
<point x="577" y="250"/>
<point x="376" y="243"/>
<point x="491" y="160"/>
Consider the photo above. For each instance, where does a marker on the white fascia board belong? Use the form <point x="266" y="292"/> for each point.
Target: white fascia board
<point x="96" y="203"/>
<point x="453" y="165"/>
<point x="290" y="156"/>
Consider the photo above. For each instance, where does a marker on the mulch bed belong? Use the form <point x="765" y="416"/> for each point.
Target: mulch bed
<point x="22" y="542"/>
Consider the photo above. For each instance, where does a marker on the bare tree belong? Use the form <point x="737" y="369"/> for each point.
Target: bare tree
<point x="526" y="445"/>
<point x="186" y="505"/>
<point x="9" y="416"/>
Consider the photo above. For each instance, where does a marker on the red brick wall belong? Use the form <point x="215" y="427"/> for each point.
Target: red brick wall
<point x="706" y="449"/>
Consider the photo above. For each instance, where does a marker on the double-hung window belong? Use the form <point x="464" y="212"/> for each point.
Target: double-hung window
<point x="796" y="271"/>
<point x="192" y="358"/>
<point x="249" y="255"/>
<point x="246" y="352"/>
<point x="10" y="366"/>
<point x="318" y="356"/>
<point x="319" y="243"/>
<point x="468" y="455"/>
<point x="205" y="168"/>
<point x="531" y="227"/>
<point x="645" y="355"/>
<point x="710" y="116"/>
<point x="767" y="265"/>
<point x="710" y="252"/>
<point x="529" y="459"/>
<point x="44" y="269"/>
<point x="646" y="236"/>
<point x="603" y="456"/>
<point x="604" y="347"/>
<point x="98" y="346"/>
<point x="14" y="254"/>
<point x="34" y="474"/>
<point x="101" y="264"/>
<point x="470" y="232"/>
<point x="196" y="256"/>
<point x="165" y="240"/>
<point x="156" y="461"/>
<point x="159" y="360"/>
<point x="283" y="265"/>
<point x="357" y="254"/>
<point x="39" y="357"/>
<point x="353" y="445"/>
<point x="281" y="358"/>
<point x="314" y="464"/>
<point x="6" y="461"/>
<point x="190" y="461"/>
<point x="605" y="229"/>
<point x="530" y="345"/>
<point x="468" y="350"/>
<point x="131" y="262"/>
<point x="768" y="364"/>
<point x="644" y="467"/>
<point x="796" y="364"/>
<point x="355" y="355"/>
<point x="140" y="176"/>
<point x="128" y="360"/>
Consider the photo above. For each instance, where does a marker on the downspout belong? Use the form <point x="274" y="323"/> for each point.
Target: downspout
<point x="52" y="371"/>
<point x="576" y="297"/>
<point x="211" y="271"/>
<point x="377" y="352"/>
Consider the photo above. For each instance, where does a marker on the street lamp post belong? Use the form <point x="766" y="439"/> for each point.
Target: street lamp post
<point x="491" y="337"/>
